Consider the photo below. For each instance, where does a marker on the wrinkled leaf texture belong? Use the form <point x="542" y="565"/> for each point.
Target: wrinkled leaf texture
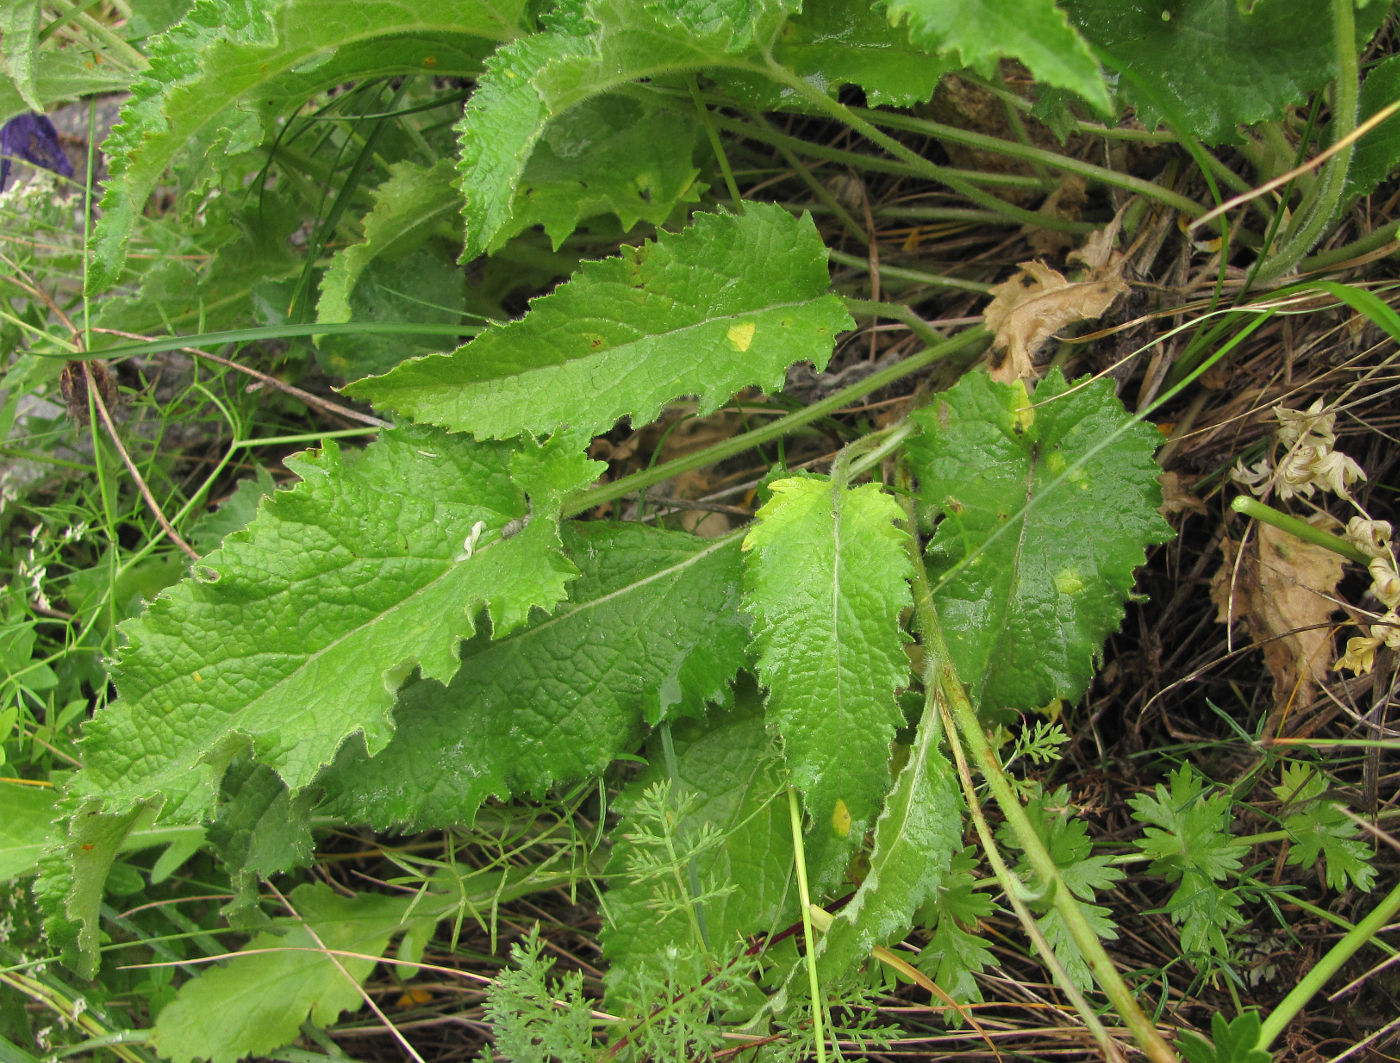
<point x="651" y="632"/>
<point x="297" y="632"/>
<point x="1047" y="506"/>
<point x="827" y="576"/>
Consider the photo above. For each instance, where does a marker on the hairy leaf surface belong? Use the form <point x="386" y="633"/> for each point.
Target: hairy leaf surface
<point x="297" y="632"/>
<point x="730" y="771"/>
<point x="827" y="576"/>
<point x="1046" y="511"/>
<point x="631" y="158"/>
<point x="981" y="32"/>
<point x="729" y="302"/>
<point x="651" y="631"/>
<point x="282" y="51"/>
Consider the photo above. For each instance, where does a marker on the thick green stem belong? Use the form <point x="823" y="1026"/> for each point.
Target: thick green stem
<point x="1319" y="207"/>
<point x="1299" y="529"/>
<point x="963" y="342"/>
<point x="1326" y="967"/>
<point x="969" y="728"/>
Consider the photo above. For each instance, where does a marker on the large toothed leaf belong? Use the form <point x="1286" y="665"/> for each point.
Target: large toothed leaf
<point x="827" y="576"/>
<point x="730" y="302"/>
<point x="729" y="780"/>
<point x="651" y="631"/>
<point x="1216" y="66"/>
<point x="532" y="82"/>
<point x="189" y="106"/>
<point x="297" y="632"/>
<point x="979" y="33"/>
<point x="1047" y="508"/>
<point x="624" y="156"/>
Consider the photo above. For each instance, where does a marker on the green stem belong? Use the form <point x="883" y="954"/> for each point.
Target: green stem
<point x="899" y="312"/>
<point x="933" y="280"/>
<point x="969" y="729"/>
<point x="1376" y="238"/>
<point x="804" y="899"/>
<point x="944" y="176"/>
<point x="964" y="342"/>
<point x="1326" y="967"/>
<point x="1100" y="175"/>
<point x="721" y="156"/>
<point x="1299" y="529"/>
<point x="1318" y="208"/>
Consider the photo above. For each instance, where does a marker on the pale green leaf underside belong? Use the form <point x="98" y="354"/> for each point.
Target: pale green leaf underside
<point x="729" y="768"/>
<point x="187" y="105"/>
<point x="19" y="45"/>
<point x="626" y="156"/>
<point x="408" y="205"/>
<point x="827" y="576"/>
<point x="316" y="613"/>
<point x="651" y="631"/>
<point x="26" y="828"/>
<point x="838" y="42"/>
<point x="981" y="32"/>
<point x="1045" y="517"/>
<point x="730" y="302"/>
<point x="256" y="1003"/>
<point x="530" y="83"/>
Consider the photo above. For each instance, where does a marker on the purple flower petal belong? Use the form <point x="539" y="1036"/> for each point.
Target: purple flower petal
<point x="33" y="138"/>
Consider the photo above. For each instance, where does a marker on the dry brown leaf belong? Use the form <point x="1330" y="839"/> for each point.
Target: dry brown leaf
<point x="1284" y="589"/>
<point x="1178" y="496"/>
<point x="1034" y="305"/>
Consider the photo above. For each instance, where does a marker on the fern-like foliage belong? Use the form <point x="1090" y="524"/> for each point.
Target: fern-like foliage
<point x="1189" y="840"/>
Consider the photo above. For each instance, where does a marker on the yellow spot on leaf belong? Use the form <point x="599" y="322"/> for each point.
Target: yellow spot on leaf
<point x="198" y="678"/>
<point x="1068" y="581"/>
<point x="740" y="335"/>
<point x="841" y="818"/>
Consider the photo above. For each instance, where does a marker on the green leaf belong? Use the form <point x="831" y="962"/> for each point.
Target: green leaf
<point x="423" y="286"/>
<point x="296" y="634"/>
<point x="1024" y="605"/>
<point x="261" y="830"/>
<point x="63" y="75"/>
<point x="1216" y="65"/>
<point x="1378" y="152"/>
<point x="1320" y="828"/>
<point x="26" y="828"/>
<point x="611" y="155"/>
<point x="1190" y="843"/>
<point x="835" y="43"/>
<point x="1236" y="1041"/>
<point x="531" y="82"/>
<point x="256" y="1003"/>
<point x="979" y="33"/>
<point x="732" y="779"/>
<point x="727" y="303"/>
<point x="71" y="879"/>
<point x="19" y="43"/>
<point x="953" y="955"/>
<point x="279" y="53"/>
<point x="915" y="840"/>
<point x="1066" y="839"/>
<point x="651" y="631"/>
<point x="827" y="576"/>
<point x="408" y="207"/>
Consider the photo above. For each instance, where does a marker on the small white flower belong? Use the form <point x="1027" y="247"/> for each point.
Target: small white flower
<point x="1372" y="536"/>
